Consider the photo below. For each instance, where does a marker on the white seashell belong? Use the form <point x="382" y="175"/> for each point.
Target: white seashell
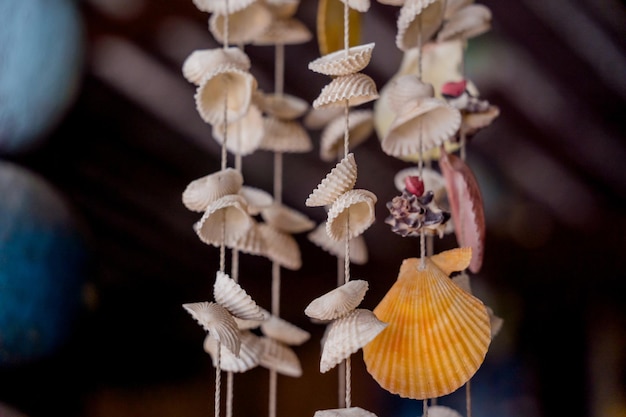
<point x="222" y="7"/>
<point x="248" y="324"/>
<point x="244" y="25"/>
<point x="280" y="358"/>
<point x="473" y="122"/>
<point x="283" y="331"/>
<point x="495" y="322"/>
<point x="358" y="249"/>
<point x="235" y="299"/>
<point x="425" y="125"/>
<point x="360" y="128"/>
<point x="351" y="214"/>
<point x="338" y="302"/>
<point x="282" y="106"/>
<point x="286" y="219"/>
<point x="343" y="62"/>
<point x="289" y="31"/>
<point x="282" y="9"/>
<point x="281" y="247"/>
<point x="453" y="6"/>
<point x="252" y="242"/>
<point x="339" y="180"/>
<point x="225" y="221"/>
<point x="200" y="193"/>
<point x="249" y="353"/>
<point x="285" y="136"/>
<point x="432" y="179"/>
<point x="353" y="90"/>
<point x="316" y="119"/>
<point x="344" y="412"/>
<point x="442" y="411"/>
<point x="348" y="334"/>
<point x="358" y="5"/>
<point x="256" y="198"/>
<point x="418" y="19"/>
<point x="244" y="135"/>
<point x="468" y="22"/>
<point x="216" y="320"/>
<point x="224" y="95"/>
<point x="406" y="89"/>
<point x="204" y="61"/>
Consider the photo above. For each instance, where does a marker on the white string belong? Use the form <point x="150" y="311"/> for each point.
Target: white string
<point x="218" y="379"/>
<point x="229" y="394"/>
<point x="348" y="383"/>
<point x="279" y="69"/>
<point x="468" y="399"/>
<point x="426" y="407"/>
<point x="273" y="389"/>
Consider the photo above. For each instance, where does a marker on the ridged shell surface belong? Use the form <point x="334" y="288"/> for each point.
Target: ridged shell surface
<point x="289" y="31"/>
<point x="347" y="334"/>
<point x="403" y="90"/>
<point x="438" y="334"/>
<point x="418" y="18"/>
<point x="252" y="242"/>
<point x="283" y="331"/>
<point x="286" y="136"/>
<point x="244" y="26"/>
<point x="216" y="320"/>
<point x="225" y="220"/>
<point x="256" y="198"/>
<point x="222" y="7"/>
<point x="280" y="357"/>
<point x="204" y="61"/>
<point x="243" y="136"/>
<point x="338" y="302"/>
<point x="468" y="22"/>
<point x="343" y="62"/>
<point x="282" y="106"/>
<point x="338" y="181"/>
<point x="357" y="250"/>
<point x="281" y="247"/>
<point x="200" y="193"/>
<point x="249" y="353"/>
<point x="235" y="299"/>
<point x="354" y="209"/>
<point x="360" y="128"/>
<point x="286" y="219"/>
<point x="355" y="89"/>
<point x="344" y="412"/>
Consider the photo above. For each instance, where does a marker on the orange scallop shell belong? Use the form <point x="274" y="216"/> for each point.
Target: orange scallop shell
<point x="437" y="334"/>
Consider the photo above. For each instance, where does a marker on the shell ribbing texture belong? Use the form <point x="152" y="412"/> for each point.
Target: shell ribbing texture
<point x="225" y="220"/>
<point x="216" y="320"/>
<point x="338" y="302"/>
<point x="200" y="193"/>
<point x="283" y="331"/>
<point x="235" y="299"/>
<point x="343" y="62"/>
<point x="357" y="250"/>
<point x="339" y="180"/>
<point x="243" y="136"/>
<point x="351" y="214"/>
<point x="355" y="89"/>
<point x="249" y="353"/>
<point x="360" y="128"/>
<point x="280" y="358"/>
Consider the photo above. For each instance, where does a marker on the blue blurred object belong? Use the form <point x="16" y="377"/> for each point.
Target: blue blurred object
<point x="43" y="265"/>
<point x="41" y="62"/>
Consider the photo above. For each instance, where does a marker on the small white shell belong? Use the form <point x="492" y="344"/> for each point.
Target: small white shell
<point x="200" y="193"/>
<point x="286" y="136"/>
<point x="244" y="135"/>
<point x="405" y="89"/>
<point x="288" y="31"/>
<point x="473" y="122"/>
<point x="442" y="411"/>
<point x="222" y="7"/>
<point x="280" y="358"/>
<point x="354" y="209"/>
<point x="338" y="302"/>
<point x="244" y="25"/>
<point x="468" y="22"/>
<point x="432" y="179"/>
<point x="360" y="128"/>
<point x="249" y="353"/>
<point x="204" y="61"/>
<point x="343" y="62"/>
<point x="226" y="86"/>
<point x="418" y="17"/>
<point x="344" y="412"/>
<point x="284" y="332"/>
<point x="286" y="219"/>
<point x="282" y="106"/>
<point x="225" y="220"/>
<point x="339" y="180"/>
<point x="256" y="198"/>
<point x="316" y="119"/>
<point x="358" y="249"/>
<point x="248" y="324"/>
<point x="358" y="5"/>
<point x="252" y="242"/>
<point x="353" y="89"/>
<point x="235" y="299"/>
<point x="495" y="322"/>
<point x="348" y="334"/>
<point x="216" y="320"/>
<point x="281" y="247"/>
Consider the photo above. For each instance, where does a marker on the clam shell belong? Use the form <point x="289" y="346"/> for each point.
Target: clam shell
<point x="235" y="299"/>
<point x="338" y="302"/>
<point x="466" y="23"/>
<point x="353" y="89"/>
<point x="226" y="86"/>
<point x="204" y="61"/>
<point x="429" y="120"/>
<point x="442" y="411"/>
<point x="200" y="193"/>
<point x="438" y="334"/>
<point x="222" y="7"/>
<point x="347" y="334"/>
<point x="473" y="122"/>
<point x="286" y="219"/>
<point x="466" y="206"/>
<point x="453" y="6"/>
<point x="355" y="209"/>
<point x="339" y="180"/>
<point x="283" y="331"/>
<point x="244" y="25"/>
<point x="344" y="412"/>
<point x="358" y="249"/>
<point x="286" y="136"/>
<point x="288" y="31"/>
<point x="316" y="119"/>
<point x="249" y="353"/>
<point x="243" y="136"/>
<point x="282" y="106"/>
<point x="418" y="16"/>
<point x="281" y="247"/>
<point x="343" y="62"/>
<point x="225" y="220"/>
<point x="256" y="198"/>
<point x="360" y="128"/>
<point x="406" y="89"/>
<point x="216" y="320"/>
<point x="252" y="242"/>
<point x="280" y="358"/>
<point x="358" y="5"/>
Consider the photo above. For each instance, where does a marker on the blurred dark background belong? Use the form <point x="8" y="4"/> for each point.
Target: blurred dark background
<point x="121" y="141"/>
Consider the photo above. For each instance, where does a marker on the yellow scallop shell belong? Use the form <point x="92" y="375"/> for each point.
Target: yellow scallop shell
<point x="330" y="32"/>
<point x="437" y="334"/>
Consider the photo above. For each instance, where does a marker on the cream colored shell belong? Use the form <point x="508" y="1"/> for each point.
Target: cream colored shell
<point x="468" y="22"/>
<point x="344" y="412"/>
<point x="283" y="331"/>
<point x="432" y="179"/>
<point x="357" y="250"/>
<point x="244" y="26"/>
<point x="316" y="119"/>
<point x="204" y="61"/>
<point x="200" y="193"/>
<point x="473" y="122"/>
<point x="282" y="106"/>
<point x="358" y="5"/>
<point x="281" y="247"/>
<point x="282" y="9"/>
<point x="337" y="302"/>
<point x="235" y="299"/>
<point x="351" y="214"/>
<point x="453" y="6"/>
<point x="339" y="180"/>
<point x="418" y="21"/>
<point x="286" y="219"/>
<point x="288" y="31"/>
<point x="249" y="353"/>
<point x="243" y="136"/>
<point x="280" y="358"/>
<point x="221" y="6"/>
<point x="252" y="242"/>
<point x="343" y="62"/>
<point x="286" y="136"/>
<point x="257" y="199"/>
<point x="225" y="221"/>
<point x="216" y="320"/>
<point x="360" y="128"/>
<point x="353" y="90"/>
<point x="404" y="90"/>
<point x="442" y="411"/>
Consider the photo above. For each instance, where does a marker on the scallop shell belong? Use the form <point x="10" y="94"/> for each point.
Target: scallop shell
<point x="473" y="122"/>
<point x="344" y="412"/>
<point x="438" y="334"/>
<point x="338" y="302"/>
<point x="357" y="250"/>
<point x="286" y="219"/>
<point x="339" y="180"/>
<point x="442" y="411"/>
<point x="360" y="128"/>
<point x="288" y="31"/>
<point x="281" y="247"/>
<point x="353" y="89"/>
<point x="204" y="61"/>
<point x="225" y="220"/>
<point x="284" y="332"/>
<point x="358" y="5"/>
<point x="354" y="209"/>
<point x="252" y="242"/>
<point x="216" y="320"/>
<point x="256" y="198"/>
<point x="244" y="25"/>
<point x="249" y="353"/>
<point x="343" y="62"/>
<point x="466" y="206"/>
<point x="463" y="281"/>
<point x="222" y="7"/>
<point x="227" y="86"/>
<point x="430" y="121"/>
<point x="418" y="17"/>
<point x="235" y="299"/>
<point x="316" y="119"/>
<point x="200" y="193"/>
<point x="280" y="358"/>
<point x="286" y="136"/>
<point x="282" y="106"/>
<point x="468" y="22"/>
<point x="347" y="335"/>
<point x="243" y="136"/>
<point x="405" y="89"/>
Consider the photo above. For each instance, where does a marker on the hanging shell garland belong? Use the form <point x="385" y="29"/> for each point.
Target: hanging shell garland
<point x="338" y="302"/>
